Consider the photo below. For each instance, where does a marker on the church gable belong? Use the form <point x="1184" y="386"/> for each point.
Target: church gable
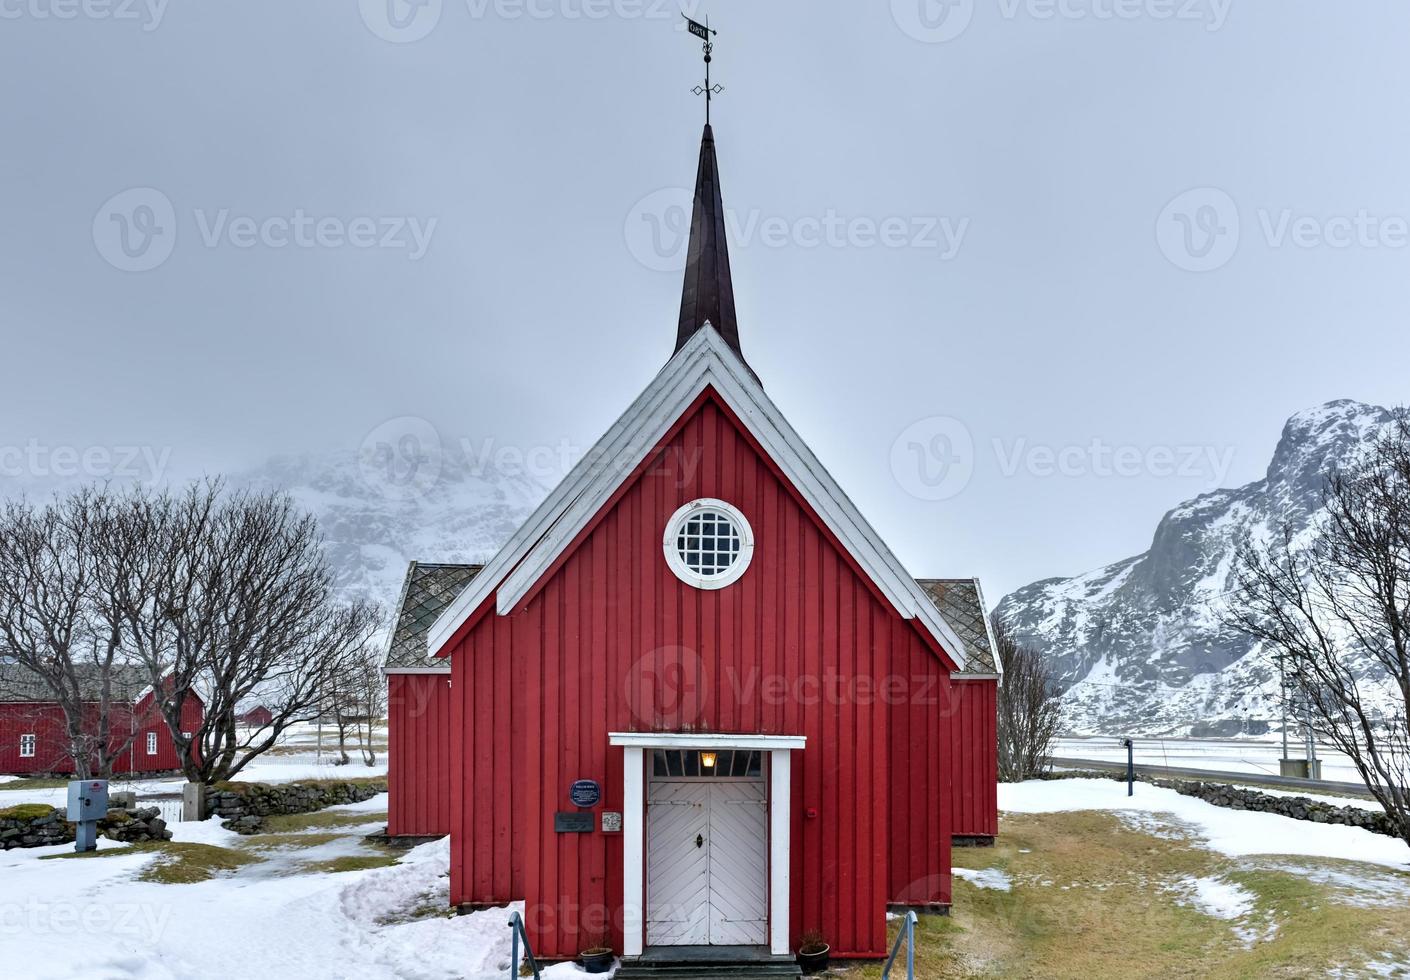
<point x="792" y="578"/>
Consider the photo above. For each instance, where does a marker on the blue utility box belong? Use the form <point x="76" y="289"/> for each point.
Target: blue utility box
<point x="88" y="803"/>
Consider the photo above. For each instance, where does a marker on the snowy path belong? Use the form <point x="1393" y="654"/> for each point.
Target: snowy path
<point x="92" y="919"/>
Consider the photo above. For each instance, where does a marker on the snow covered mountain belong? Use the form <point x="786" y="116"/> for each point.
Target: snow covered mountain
<point x="1139" y="645"/>
<point x="376" y="519"/>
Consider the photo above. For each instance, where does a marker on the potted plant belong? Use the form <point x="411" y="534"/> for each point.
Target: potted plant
<point x="812" y="952"/>
<point x="597" y="958"/>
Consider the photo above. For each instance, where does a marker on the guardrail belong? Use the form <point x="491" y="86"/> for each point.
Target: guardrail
<point x="1248" y="778"/>
<point x="908" y="936"/>
<point x="516" y="925"/>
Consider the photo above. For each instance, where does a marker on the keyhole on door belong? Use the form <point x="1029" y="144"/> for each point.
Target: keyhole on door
<point x="699" y="840"/>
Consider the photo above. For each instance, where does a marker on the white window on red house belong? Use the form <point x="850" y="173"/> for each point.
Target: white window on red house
<point x="27" y="743"/>
<point x="151" y="743"/>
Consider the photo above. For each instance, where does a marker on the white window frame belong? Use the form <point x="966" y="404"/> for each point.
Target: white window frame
<point x="687" y="574"/>
<point x="33" y="741"/>
<point x="151" y="743"/>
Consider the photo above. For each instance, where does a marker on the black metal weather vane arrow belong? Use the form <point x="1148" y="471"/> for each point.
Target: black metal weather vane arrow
<point x="708" y="90"/>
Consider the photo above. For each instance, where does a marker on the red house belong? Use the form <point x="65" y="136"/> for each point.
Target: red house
<point x="257" y="717"/>
<point x="33" y="734"/>
<point x="695" y="701"/>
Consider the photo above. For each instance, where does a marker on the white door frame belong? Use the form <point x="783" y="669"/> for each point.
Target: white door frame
<point x="634" y="744"/>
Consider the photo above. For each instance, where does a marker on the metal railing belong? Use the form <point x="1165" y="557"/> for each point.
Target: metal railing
<point x="907" y="935"/>
<point x="516" y="926"/>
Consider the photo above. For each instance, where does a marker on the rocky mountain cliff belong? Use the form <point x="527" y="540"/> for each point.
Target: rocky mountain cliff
<point x="1139" y="646"/>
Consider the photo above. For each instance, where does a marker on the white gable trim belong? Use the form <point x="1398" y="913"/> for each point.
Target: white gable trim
<point x="484" y="584"/>
<point x="706" y="361"/>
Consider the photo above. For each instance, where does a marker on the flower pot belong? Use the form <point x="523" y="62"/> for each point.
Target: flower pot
<point x="814" y="960"/>
<point x="596" y="960"/>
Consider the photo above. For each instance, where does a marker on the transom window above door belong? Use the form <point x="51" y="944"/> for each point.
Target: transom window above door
<point x="706" y="764"/>
<point x="708" y="543"/>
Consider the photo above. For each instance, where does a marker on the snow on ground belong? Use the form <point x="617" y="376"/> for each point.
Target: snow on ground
<point x="1227" y="901"/>
<point x="90" y="918"/>
<point x="988" y="878"/>
<point x="265" y="769"/>
<point x="1232" y="832"/>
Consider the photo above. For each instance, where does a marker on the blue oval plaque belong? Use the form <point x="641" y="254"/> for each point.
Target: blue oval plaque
<point x="585" y="793"/>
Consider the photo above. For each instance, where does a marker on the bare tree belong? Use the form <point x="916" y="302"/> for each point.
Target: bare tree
<point x="56" y="630"/>
<point x="1331" y="603"/>
<point x="354" y="700"/>
<point x="372" y="700"/>
<point x="234" y="603"/>
<point x="1028" y="708"/>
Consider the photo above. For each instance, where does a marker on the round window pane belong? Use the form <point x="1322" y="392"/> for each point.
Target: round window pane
<point x="708" y="543"/>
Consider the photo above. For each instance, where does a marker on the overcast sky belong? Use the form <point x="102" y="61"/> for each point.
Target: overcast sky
<point x="964" y="237"/>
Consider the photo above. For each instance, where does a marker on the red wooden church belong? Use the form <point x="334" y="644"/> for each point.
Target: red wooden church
<point x="695" y="701"/>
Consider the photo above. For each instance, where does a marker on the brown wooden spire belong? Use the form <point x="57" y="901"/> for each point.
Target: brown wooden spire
<point x="708" y="294"/>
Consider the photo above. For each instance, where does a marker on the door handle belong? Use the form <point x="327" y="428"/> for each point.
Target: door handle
<point x="699" y="840"/>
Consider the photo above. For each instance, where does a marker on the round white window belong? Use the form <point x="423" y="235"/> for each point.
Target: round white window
<point x="708" y="543"/>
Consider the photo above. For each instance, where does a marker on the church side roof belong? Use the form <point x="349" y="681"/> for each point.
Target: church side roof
<point x="428" y="590"/>
<point x="961" y="602"/>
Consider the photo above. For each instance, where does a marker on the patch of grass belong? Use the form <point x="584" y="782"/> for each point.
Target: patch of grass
<point x="1093" y="897"/>
<point x="360" y="862"/>
<point x="26" y="811"/>
<point x="177" y="863"/>
<point x="289" y="823"/>
<point x="270" y="841"/>
<point x="7" y="784"/>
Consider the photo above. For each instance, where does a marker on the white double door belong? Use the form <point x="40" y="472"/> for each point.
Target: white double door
<point x="707" y="863"/>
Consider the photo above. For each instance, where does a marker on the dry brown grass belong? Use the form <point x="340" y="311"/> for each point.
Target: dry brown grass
<point x="1091" y="898"/>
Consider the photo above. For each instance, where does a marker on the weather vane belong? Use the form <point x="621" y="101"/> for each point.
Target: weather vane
<point x="703" y="32"/>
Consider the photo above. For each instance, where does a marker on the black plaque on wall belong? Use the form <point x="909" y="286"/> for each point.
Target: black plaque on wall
<point x="572" y="823"/>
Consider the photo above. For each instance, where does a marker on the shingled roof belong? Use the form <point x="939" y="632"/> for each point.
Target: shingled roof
<point x="429" y="589"/>
<point x="20" y="685"/>
<point x="424" y="596"/>
<point x="961" y="602"/>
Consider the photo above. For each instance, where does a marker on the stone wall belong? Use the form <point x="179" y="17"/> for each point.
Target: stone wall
<point x="1297" y="807"/>
<point x="1239" y="798"/>
<point x="243" y="806"/>
<point x="39" y="825"/>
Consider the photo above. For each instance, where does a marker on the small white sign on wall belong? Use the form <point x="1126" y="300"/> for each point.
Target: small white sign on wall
<point x="611" y="822"/>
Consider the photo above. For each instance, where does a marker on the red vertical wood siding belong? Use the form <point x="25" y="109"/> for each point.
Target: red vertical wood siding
<point x="921" y="703"/>
<point x="419" y="734"/>
<point x="974" y="735"/>
<point x="46" y="722"/>
<point x="611" y="641"/>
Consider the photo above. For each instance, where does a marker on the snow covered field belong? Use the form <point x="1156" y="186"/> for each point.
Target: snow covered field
<point x="91" y="918"/>
<point x="1236" y="833"/>
<point x="1253" y="756"/>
